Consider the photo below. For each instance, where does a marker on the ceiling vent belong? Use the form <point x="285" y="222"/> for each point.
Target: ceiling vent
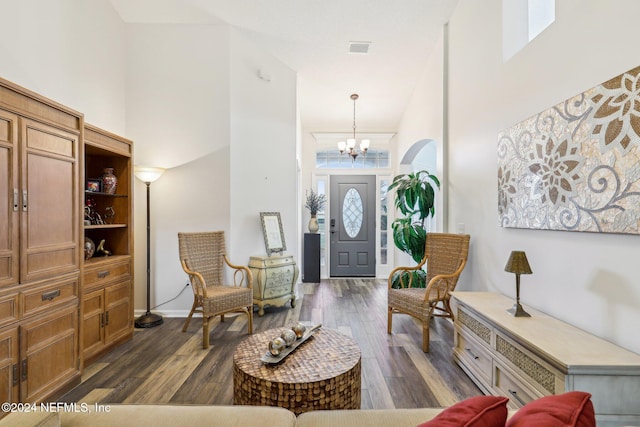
<point x="361" y="48"/>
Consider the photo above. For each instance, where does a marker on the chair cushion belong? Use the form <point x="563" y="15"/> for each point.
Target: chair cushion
<point x="410" y="301"/>
<point x="224" y="298"/>
<point x="573" y="408"/>
<point x="479" y="411"/>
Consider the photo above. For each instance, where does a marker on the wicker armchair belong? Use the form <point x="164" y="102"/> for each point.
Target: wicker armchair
<point x="203" y="258"/>
<point x="445" y="257"/>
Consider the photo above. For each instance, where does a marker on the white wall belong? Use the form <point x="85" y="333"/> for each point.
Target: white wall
<point x="263" y="148"/>
<point x="71" y="51"/>
<point x="190" y="197"/>
<point x="589" y="280"/>
<point x="196" y="106"/>
<point x="423" y="120"/>
<point x="177" y="91"/>
<point x="178" y="117"/>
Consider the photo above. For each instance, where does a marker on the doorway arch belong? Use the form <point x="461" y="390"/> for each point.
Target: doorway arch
<point x="424" y="154"/>
<point x="427" y="154"/>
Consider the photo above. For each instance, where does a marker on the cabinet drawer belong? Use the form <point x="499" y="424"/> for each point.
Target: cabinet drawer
<point x="474" y="325"/>
<point x="287" y="260"/>
<point x="272" y="261"/>
<point x="475" y="357"/>
<point x="96" y="275"/>
<point x="51" y="294"/>
<point x="538" y="373"/>
<point x="510" y="386"/>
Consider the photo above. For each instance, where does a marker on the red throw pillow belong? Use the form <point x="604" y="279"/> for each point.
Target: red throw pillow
<point x="571" y="409"/>
<point x="479" y="411"/>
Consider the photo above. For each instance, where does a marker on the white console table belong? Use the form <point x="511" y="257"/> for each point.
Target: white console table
<point x="525" y="358"/>
<point x="274" y="280"/>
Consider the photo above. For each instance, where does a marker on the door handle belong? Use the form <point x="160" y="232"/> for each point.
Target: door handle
<point x="471" y="353"/>
<point x="24" y="200"/>
<point x="49" y="296"/>
<point x="15" y="200"/>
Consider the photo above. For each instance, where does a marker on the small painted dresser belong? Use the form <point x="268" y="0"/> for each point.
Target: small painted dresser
<point x="274" y="280"/>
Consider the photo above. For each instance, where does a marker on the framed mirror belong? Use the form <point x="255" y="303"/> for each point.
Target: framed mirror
<point x="273" y="234"/>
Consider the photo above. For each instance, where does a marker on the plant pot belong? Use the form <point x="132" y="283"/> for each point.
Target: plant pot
<point x="313" y="224"/>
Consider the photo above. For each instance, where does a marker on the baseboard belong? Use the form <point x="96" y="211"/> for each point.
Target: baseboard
<point x="163" y="313"/>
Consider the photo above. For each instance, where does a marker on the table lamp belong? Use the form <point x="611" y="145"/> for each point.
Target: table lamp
<point x="518" y="264"/>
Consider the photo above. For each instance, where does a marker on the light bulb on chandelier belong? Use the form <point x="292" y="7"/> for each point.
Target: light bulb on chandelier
<point x="350" y="145"/>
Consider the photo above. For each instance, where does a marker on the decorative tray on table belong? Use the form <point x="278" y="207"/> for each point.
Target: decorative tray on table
<point x="271" y="359"/>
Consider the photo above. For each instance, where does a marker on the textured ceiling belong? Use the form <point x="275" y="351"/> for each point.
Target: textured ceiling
<point x="312" y="38"/>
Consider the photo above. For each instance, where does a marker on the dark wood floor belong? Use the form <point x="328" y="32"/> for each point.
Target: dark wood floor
<point x="165" y="365"/>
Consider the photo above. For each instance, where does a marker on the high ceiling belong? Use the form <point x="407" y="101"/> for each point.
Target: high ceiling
<point x="312" y="38"/>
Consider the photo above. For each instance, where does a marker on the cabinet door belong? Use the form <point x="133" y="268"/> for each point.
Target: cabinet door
<point x="9" y="379"/>
<point x="49" y="349"/>
<point x="118" y="311"/>
<point x="93" y="323"/>
<point x="50" y="223"/>
<point x="9" y="199"/>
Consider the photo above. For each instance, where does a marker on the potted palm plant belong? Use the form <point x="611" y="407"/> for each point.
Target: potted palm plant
<point x="314" y="202"/>
<point x="415" y="199"/>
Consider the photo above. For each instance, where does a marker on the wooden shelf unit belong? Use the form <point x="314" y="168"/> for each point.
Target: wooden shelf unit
<point x="107" y="282"/>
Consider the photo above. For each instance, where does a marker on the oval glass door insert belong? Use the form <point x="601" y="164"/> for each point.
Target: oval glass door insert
<point x="352" y="212"/>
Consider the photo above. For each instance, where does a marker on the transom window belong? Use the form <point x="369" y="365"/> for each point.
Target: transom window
<point x="332" y="159"/>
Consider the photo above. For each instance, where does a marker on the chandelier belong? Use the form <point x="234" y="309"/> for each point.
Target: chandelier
<point x="350" y="145"/>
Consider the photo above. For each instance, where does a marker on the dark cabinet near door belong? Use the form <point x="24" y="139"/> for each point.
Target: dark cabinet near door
<point x="311" y="249"/>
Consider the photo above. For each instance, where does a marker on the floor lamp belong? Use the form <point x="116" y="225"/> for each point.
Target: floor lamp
<point x="148" y="175"/>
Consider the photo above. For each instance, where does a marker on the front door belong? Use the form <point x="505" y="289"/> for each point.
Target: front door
<point x="352" y="226"/>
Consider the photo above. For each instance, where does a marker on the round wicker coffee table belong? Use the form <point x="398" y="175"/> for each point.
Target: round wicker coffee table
<point x="322" y="373"/>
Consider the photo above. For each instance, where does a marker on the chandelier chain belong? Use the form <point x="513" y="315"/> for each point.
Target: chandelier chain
<point x="354" y="97"/>
<point x="349" y="146"/>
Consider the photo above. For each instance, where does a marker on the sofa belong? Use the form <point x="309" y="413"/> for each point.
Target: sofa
<point x="570" y="409"/>
<point x="222" y="416"/>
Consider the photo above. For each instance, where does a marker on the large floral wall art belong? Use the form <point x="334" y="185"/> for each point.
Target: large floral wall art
<point x="575" y="166"/>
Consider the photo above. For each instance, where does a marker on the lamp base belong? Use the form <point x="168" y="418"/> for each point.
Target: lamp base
<point x="518" y="311"/>
<point x="148" y="320"/>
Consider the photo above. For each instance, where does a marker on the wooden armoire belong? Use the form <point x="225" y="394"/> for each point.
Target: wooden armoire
<point x="42" y="265"/>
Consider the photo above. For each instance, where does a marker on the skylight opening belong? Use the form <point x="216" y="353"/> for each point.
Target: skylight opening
<point x="522" y="21"/>
<point x="541" y="14"/>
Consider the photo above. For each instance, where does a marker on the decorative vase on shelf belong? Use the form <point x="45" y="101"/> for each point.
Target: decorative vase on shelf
<point x="109" y="181"/>
<point x="313" y="224"/>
